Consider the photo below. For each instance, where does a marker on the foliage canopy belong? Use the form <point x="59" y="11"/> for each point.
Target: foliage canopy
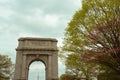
<point x="5" y="65"/>
<point x="94" y="29"/>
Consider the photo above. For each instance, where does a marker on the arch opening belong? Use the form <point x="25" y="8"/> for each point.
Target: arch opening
<point x="37" y="71"/>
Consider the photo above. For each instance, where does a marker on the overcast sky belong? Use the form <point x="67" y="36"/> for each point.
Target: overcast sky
<point x="33" y="18"/>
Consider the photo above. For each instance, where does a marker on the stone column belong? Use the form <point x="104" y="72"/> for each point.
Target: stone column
<point x="24" y="68"/>
<point x="18" y="66"/>
<point x="49" y="76"/>
<point x="55" y="66"/>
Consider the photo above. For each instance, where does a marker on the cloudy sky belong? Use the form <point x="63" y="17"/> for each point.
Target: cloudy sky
<point x="33" y="18"/>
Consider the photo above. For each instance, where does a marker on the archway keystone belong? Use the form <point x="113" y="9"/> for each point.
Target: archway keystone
<point x="36" y="49"/>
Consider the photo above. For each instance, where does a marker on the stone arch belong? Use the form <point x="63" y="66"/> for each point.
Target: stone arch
<point x="36" y="59"/>
<point x="42" y="59"/>
<point x="33" y="49"/>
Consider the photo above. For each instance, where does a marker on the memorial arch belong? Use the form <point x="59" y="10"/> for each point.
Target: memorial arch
<point x="36" y="49"/>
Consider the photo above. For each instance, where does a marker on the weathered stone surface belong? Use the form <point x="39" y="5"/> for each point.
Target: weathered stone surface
<point x="36" y="49"/>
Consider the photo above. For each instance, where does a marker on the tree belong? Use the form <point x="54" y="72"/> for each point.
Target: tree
<point x="67" y="77"/>
<point x="104" y="44"/>
<point x="93" y="12"/>
<point x="5" y="65"/>
<point x="79" y="68"/>
<point x="11" y="71"/>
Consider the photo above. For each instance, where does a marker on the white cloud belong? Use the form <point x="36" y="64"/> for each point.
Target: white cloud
<point x="41" y="18"/>
<point x="60" y="42"/>
<point x="51" y="20"/>
<point x="6" y="12"/>
<point x="4" y="1"/>
<point x="1" y="28"/>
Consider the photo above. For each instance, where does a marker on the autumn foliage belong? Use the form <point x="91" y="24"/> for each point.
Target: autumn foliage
<point x="104" y="44"/>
